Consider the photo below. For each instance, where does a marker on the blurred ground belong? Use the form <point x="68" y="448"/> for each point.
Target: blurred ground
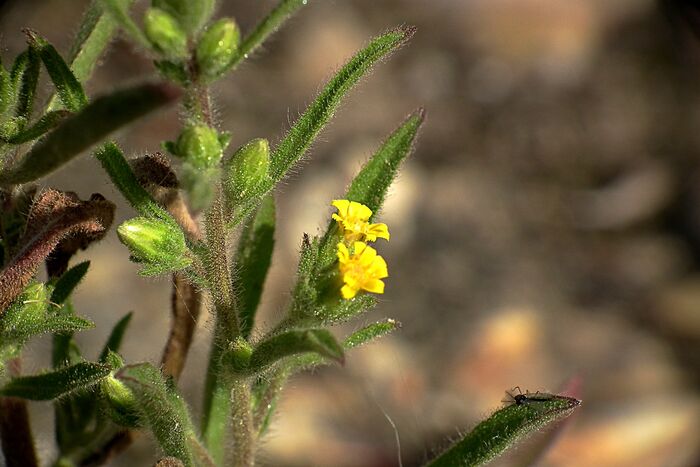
<point x="548" y="226"/>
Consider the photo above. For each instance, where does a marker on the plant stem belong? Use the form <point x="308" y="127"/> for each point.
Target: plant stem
<point x="243" y="429"/>
<point x="15" y="429"/>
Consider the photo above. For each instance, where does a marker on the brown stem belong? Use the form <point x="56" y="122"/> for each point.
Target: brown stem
<point x="15" y="429"/>
<point x="186" y="306"/>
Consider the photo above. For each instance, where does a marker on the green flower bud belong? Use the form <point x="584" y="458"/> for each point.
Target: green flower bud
<point x="159" y="245"/>
<point x="238" y="356"/>
<point x="165" y="33"/>
<point x="199" y="184"/>
<point x="200" y="146"/>
<point x="191" y="14"/>
<point x="121" y="403"/>
<point x="247" y="170"/>
<point x="217" y="47"/>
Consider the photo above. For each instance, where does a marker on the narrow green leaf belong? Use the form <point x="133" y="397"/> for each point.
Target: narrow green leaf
<point x="25" y="75"/>
<point x="118" y="10"/>
<point x="356" y="339"/>
<point x="370" y="185"/>
<point x="6" y="90"/>
<point x="55" y="384"/>
<point x="46" y="123"/>
<point x="252" y="262"/>
<point x="271" y="23"/>
<point x="119" y="171"/>
<point x="286" y="344"/>
<point x="90" y="126"/>
<point x="68" y="282"/>
<point x="116" y="336"/>
<point x="502" y="429"/>
<point x="163" y="410"/>
<point x="370" y="333"/>
<point x="307" y="127"/>
<point x="69" y="89"/>
<point x="95" y="32"/>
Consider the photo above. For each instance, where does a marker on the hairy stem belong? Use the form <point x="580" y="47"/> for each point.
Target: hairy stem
<point x="15" y="429"/>
<point x="243" y="428"/>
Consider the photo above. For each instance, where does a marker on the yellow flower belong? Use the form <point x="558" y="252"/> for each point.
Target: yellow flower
<point x="361" y="270"/>
<point x="353" y="218"/>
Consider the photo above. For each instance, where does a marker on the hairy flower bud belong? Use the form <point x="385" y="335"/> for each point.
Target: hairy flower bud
<point x="199" y="145"/>
<point x="191" y="14"/>
<point x="121" y="403"/>
<point x="247" y="169"/>
<point x="158" y="245"/>
<point x="164" y="33"/>
<point x="217" y="47"/>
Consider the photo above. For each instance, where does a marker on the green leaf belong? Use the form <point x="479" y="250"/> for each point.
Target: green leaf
<point x="271" y="23"/>
<point x="116" y="336"/>
<point x="69" y="89"/>
<point x="119" y="171"/>
<point x="252" y="262"/>
<point x="356" y="339"/>
<point x="25" y="75"/>
<point x="68" y="282"/>
<point x="370" y="185"/>
<point x="286" y="344"/>
<point x="505" y="427"/>
<point x="90" y="126"/>
<point x="6" y="90"/>
<point x="46" y="123"/>
<point x="55" y="384"/>
<point x="163" y="410"/>
<point x="317" y="115"/>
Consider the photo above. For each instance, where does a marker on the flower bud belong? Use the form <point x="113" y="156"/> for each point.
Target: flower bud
<point x="191" y="14"/>
<point x="200" y="146"/>
<point x="160" y="246"/>
<point x="121" y="403"/>
<point x="217" y="47"/>
<point x="164" y="33"/>
<point x="200" y="184"/>
<point x="247" y="170"/>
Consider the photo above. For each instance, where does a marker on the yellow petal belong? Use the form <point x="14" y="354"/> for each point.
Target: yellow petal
<point x="343" y="253"/>
<point x="375" y="231"/>
<point x="348" y="292"/>
<point x="379" y="268"/>
<point x="374" y="286"/>
<point x="342" y="205"/>
<point x="359" y="211"/>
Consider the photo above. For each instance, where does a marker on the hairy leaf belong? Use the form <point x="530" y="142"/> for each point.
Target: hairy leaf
<point x="88" y="127"/>
<point x="68" y="282"/>
<point x="114" y="341"/>
<point x="45" y="124"/>
<point x="252" y="261"/>
<point x="163" y="410"/>
<point x="53" y="216"/>
<point x="69" y="89"/>
<point x="503" y="428"/>
<point x="25" y="75"/>
<point x="55" y="384"/>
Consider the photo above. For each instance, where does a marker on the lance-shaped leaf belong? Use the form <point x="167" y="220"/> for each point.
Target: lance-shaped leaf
<point x="123" y="177"/>
<point x="114" y="341"/>
<point x="162" y="409"/>
<point x="45" y="124"/>
<point x="24" y="76"/>
<point x="356" y="339"/>
<point x="370" y="185"/>
<point x="118" y="11"/>
<point x="89" y="126"/>
<point x="306" y="128"/>
<point x="505" y="427"/>
<point x="69" y="89"/>
<point x="68" y="282"/>
<point x="6" y="90"/>
<point x="287" y="344"/>
<point x="252" y="262"/>
<point x="53" y="216"/>
<point x="55" y="384"/>
<point x="271" y="23"/>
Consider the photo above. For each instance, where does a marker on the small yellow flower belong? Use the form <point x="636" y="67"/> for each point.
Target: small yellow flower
<point x="361" y="270"/>
<point x="353" y="218"/>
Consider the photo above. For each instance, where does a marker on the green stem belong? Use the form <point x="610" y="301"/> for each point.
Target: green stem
<point x="243" y="428"/>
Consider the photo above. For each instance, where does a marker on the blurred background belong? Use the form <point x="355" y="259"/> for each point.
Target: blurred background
<point x="546" y="230"/>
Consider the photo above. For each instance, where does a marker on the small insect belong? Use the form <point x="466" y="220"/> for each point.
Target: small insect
<point x="528" y="397"/>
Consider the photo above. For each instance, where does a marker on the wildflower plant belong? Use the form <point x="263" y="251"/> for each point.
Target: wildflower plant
<point x="191" y="201"/>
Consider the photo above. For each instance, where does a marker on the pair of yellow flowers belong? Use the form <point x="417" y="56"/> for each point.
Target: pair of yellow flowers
<point x="361" y="267"/>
